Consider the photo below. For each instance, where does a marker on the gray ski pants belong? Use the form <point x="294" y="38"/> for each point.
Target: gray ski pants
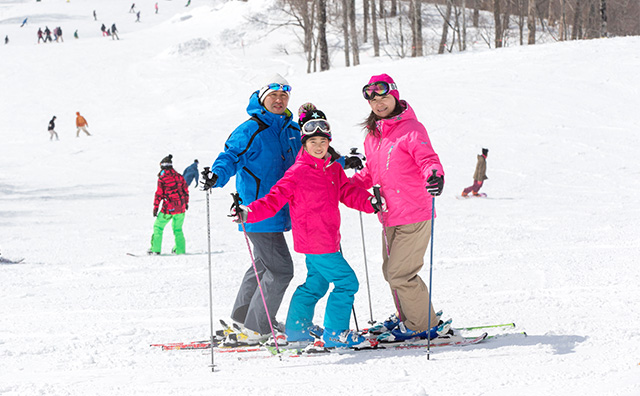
<point x="275" y="269"/>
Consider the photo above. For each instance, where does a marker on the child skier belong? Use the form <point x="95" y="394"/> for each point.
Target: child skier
<point x="313" y="187"/>
<point x="173" y="190"/>
<point x="479" y="176"/>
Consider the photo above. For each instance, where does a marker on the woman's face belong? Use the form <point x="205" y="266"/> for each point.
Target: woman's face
<point x="317" y="146"/>
<point x="383" y="106"/>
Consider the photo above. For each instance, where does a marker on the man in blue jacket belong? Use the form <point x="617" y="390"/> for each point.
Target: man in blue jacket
<point x="190" y="173"/>
<point x="258" y="153"/>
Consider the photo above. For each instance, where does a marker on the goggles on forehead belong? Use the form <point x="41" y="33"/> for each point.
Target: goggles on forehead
<point x="312" y="126"/>
<point x="379" y="88"/>
<point x="279" y="87"/>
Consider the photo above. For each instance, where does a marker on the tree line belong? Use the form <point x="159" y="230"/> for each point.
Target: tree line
<point x="396" y="28"/>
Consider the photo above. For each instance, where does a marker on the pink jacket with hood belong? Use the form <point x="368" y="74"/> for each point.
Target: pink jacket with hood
<point x="400" y="159"/>
<point x="313" y="188"/>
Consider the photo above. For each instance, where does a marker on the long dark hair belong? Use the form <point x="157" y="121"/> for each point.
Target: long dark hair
<point x="369" y="124"/>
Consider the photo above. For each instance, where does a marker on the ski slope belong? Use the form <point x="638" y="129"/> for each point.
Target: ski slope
<point x="553" y="248"/>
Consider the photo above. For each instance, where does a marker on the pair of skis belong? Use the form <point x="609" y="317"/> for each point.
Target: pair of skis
<point x="206" y="344"/>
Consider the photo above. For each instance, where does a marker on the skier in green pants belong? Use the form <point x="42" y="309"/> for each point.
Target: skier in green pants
<point x="174" y="193"/>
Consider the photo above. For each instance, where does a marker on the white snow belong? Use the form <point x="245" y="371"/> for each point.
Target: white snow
<point x="554" y="248"/>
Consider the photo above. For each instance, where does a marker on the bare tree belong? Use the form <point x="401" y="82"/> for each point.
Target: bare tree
<point x="531" y="22"/>
<point x="476" y="13"/>
<point x="415" y="11"/>
<point x="603" y="19"/>
<point x="498" y="23"/>
<point x="345" y="31"/>
<point x="445" y="27"/>
<point x="374" y="29"/>
<point x="365" y="12"/>
<point x="355" y="49"/>
<point x="464" y="25"/>
<point x="576" y="32"/>
<point x="322" y="35"/>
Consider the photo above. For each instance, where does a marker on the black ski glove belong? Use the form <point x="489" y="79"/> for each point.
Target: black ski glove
<point x="435" y="185"/>
<point x="354" y="160"/>
<point x="378" y="206"/>
<point x="209" y="181"/>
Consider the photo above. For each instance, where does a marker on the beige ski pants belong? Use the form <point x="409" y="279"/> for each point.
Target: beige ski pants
<point x="407" y="247"/>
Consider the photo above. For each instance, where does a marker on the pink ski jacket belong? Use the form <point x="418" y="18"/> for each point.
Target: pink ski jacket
<point x="400" y="159"/>
<point x="313" y="188"/>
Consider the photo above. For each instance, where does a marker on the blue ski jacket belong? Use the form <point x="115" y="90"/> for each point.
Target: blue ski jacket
<point x="258" y="153"/>
<point x="190" y="173"/>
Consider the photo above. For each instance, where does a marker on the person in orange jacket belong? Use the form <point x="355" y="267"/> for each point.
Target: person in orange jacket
<point x="82" y="124"/>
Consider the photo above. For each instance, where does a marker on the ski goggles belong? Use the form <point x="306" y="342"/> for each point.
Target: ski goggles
<point x="312" y="126"/>
<point x="379" y="88"/>
<point x="279" y="87"/>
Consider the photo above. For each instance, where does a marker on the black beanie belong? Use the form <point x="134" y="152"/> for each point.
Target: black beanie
<point x="308" y="115"/>
<point x="485" y="151"/>
<point x="166" y="162"/>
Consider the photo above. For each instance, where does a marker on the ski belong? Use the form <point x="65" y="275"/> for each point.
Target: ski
<point x="404" y="345"/>
<point x="220" y="334"/>
<point x="173" y="255"/>
<point x="493" y="326"/>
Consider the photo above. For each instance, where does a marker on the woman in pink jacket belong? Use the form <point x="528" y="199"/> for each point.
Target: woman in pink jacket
<point x="401" y="160"/>
<point x="313" y="187"/>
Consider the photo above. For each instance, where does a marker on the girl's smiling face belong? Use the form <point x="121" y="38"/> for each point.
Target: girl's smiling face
<point x="317" y="146"/>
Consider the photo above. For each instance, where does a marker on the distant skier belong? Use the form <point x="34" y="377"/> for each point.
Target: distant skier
<point x="173" y="190"/>
<point x="114" y="32"/>
<point x="51" y="129"/>
<point x="81" y="124"/>
<point x="104" y="30"/>
<point x="59" y="34"/>
<point x="75" y="34"/>
<point x="479" y="176"/>
<point x="138" y="17"/>
<point x="95" y="16"/>
<point x="133" y="8"/>
<point x="188" y="3"/>
<point x="6" y="39"/>
<point x="47" y="34"/>
<point x="190" y="173"/>
<point x="40" y="34"/>
<point x="24" y="22"/>
<point x="156" y="8"/>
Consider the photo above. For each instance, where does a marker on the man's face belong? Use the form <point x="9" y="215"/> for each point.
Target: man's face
<point x="276" y="102"/>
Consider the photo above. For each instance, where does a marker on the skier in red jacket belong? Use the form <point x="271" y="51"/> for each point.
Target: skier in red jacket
<point x="173" y="190"/>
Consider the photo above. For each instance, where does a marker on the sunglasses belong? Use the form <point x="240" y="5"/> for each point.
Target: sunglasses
<point x="379" y="88"/>
<point x="279" y="87"/>
<point x="312" y="126"/>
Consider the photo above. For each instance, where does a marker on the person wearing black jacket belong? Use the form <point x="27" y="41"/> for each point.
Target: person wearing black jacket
<point x="51" y="129"/>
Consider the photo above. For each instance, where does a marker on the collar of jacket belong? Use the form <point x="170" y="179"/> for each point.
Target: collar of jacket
<point x="387" y="124"/>
<point x="255" y="109"/>
<point x="314" y="162"/>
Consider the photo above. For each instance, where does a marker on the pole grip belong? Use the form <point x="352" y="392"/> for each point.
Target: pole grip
<point x="376" y="192"/>
<point x="236" y="201"/>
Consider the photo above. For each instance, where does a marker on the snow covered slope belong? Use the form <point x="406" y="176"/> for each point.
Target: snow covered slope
<point x="554" y="248"/>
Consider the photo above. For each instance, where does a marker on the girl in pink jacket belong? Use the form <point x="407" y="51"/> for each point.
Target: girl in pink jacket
<point x="313" y="187"/>
<point x="401" y="160"/>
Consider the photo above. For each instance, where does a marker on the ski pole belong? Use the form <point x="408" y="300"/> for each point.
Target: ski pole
<point x="236" y="204"/>
<point x="366" y="267"/>
<point x="433" y="211"/>
<point x="206" y="171"/>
